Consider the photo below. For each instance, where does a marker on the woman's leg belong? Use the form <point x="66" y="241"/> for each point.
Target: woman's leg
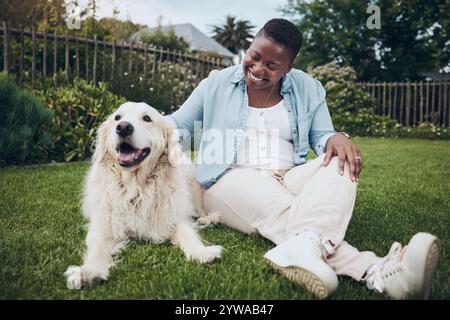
<point x="255" y="201"/>
<point x="251" y="201"/>
<point x="324" y="204"/>
<point x="324" y="199"/>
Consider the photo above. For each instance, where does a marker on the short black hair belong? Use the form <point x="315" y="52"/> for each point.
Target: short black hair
<point x="284" y="33"/>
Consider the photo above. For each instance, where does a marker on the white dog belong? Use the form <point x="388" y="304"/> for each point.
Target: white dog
<point x="140" y="186"/>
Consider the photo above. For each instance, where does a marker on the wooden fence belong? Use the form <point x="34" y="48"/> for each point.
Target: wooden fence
<point x="412" y="103"/>
<point x="30" y="55"/>
<point x="91" y="59"/>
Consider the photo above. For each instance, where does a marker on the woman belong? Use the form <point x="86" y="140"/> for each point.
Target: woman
<point x="259" y="121"/>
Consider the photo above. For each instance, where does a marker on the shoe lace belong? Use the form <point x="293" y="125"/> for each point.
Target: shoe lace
<point x="384" y="269"/>
<point x="319" y="249"/>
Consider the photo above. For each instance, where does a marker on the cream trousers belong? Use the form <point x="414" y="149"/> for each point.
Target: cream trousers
<point x="280" y="204"/>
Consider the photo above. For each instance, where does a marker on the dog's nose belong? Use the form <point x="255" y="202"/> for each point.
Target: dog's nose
<point x="124" y="129"/>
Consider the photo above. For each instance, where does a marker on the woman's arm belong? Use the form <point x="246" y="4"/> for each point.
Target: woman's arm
<point x="191" y="111"/>
<point x="323" y="139"/>
<point x="321" y="129"/>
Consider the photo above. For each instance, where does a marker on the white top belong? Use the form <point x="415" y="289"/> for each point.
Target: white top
<point x="267" y="141"/>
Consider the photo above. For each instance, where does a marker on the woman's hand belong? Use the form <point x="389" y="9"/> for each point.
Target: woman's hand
<point x="341" y="146"/>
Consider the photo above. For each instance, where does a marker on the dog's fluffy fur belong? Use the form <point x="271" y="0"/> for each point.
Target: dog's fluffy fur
<point x="140" y="186"/>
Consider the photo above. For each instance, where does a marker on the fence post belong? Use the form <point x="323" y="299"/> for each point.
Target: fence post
<point x="415" y="104"/>
<point x="33" y="54"/>
<point x="130" y="59"/>
<point x="401" y="102"/>
<point x="22" y="49"/>
<point x="86" y="71"/>
<point x="104" y="62"/>
<point x="145" y="60"/>
<point x="446" y="106"/>
<point x="427" y="113"/>
<point x="433" y="96"/>
<point x="113" y="61"/>
<point x="77" y="55"/>
<point x="67" y="56"/>
<point x="122" y="58"/>
<point x="94" y="68"/>
<point x="445" y="103"/>
<point x="439" y="103"/>
<point x="44" y="55"/>
<point x="390" y="99"/>
<point x="394" y="105"/>
<point x="408" y="103"/>
<point x="160" y="57"/>
<point x="421" y="102"/>
<point x="55" y="55"/>
<point x="5" y="47"/>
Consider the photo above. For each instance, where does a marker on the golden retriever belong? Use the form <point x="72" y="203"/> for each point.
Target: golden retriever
<point x="140" y="186"/>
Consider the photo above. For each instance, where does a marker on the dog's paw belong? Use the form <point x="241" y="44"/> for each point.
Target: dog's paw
<point x="79" y="277"/>
<point x="211" y="218"/>
<point x="75" y="279"/>
<point x="208" y="254"/>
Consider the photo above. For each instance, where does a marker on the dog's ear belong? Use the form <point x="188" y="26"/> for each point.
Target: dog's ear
<point x="173" y="148"/>
<point x="101" y="142"/>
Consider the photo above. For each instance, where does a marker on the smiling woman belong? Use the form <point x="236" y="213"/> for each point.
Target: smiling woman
<point x="304" y="207"/>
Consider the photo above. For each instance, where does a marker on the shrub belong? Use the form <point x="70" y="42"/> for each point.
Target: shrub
<point x="351" y="108"/>
<point x="165" y="90"/>
<point x="24" y="125"/>
<point x="79" y="107"/>
<point x="425" y="130"/>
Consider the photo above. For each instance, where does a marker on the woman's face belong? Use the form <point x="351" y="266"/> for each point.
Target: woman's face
<point x="265" y="63"/>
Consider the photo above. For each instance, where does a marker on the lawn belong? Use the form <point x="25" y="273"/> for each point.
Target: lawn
<point x="404" y="188"/>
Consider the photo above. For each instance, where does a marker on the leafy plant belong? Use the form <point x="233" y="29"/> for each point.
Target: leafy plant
<point x="351" y="108"/>
<point x="79" y="109"/>
<point x="24" y="125"/>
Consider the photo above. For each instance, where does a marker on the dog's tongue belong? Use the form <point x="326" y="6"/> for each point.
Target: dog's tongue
<point x="129" y="157"/>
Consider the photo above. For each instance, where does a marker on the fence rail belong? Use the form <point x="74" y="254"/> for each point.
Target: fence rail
<point x="412" y="103"/>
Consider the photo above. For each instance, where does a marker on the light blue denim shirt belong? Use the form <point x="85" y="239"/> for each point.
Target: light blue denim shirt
<point x="219" y="105"/>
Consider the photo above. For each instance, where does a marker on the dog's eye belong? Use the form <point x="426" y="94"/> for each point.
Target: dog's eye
<point x="117" y="117"/>
<point x="147" y="119"/>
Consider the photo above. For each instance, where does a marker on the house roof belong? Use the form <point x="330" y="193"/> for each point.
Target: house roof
<point x="197" y="40"/>
<point x="436" y="76"/>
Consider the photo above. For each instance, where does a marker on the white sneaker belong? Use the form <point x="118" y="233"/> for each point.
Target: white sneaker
<point x="406" y="273"/>
<point x="301" y="259"/>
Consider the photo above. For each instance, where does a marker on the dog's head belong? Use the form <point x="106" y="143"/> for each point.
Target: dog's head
<point x="134" y="135"/>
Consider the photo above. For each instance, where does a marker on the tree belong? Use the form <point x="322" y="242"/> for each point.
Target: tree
<point x="234" y="35"/>
<point x="412" y="37"/>
<point x="166" y="39"/>
<point x="27" y="12"/>
<point x="119" y="30"/>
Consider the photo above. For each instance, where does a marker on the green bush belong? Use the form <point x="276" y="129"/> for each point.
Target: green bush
<point x="425" y="130"/>
<point x="351" y="108"/>
<point x="24" y="125"/>
<point x="79" y="107"/>
<point x="165" y="90"/>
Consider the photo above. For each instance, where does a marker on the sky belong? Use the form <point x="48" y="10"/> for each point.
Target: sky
<point x="201" y="13"/>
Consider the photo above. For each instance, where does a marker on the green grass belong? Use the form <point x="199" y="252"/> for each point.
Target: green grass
<point x="404" y="189"/>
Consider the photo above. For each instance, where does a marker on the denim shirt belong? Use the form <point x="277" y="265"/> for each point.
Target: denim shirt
<point x="219" y="105"/>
